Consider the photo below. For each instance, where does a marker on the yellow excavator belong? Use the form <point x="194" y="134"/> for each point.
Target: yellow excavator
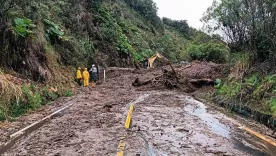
<point x="167" y="61"/>
<point x="154" y="57"/>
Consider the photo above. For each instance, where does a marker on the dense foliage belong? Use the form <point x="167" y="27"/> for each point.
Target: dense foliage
<point x="247" y="24"/>
<point x="182" y="26"/>
<point x="148" y="10"/>
<point x="215" y="52"/>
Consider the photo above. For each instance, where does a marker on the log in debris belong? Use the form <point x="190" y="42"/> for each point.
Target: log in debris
<point x="138" y="83"/>
<point x="201" y="82"/>
<point x="172" y="79"/>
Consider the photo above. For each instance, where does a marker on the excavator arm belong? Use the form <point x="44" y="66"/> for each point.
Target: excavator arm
<point x="158" y="55"/>
<point x="154" y="57"/>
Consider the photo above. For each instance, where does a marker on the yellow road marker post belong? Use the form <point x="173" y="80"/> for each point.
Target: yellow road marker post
<point x="128" y="119"/>
<point x="121" y="148"/>
<point x="256" y="134"/>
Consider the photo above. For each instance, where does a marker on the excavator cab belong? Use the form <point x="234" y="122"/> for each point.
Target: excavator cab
<point x="154" y="57"/>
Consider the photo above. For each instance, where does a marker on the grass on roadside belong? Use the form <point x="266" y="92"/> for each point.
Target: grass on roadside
<point x="18" y="99"/>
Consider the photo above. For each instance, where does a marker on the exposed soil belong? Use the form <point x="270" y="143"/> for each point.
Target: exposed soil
<point x="203" y="70"/>
<point x="164" y="122"/>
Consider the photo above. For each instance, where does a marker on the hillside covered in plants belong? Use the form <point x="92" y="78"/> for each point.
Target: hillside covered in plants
<point x="43" y="42"/>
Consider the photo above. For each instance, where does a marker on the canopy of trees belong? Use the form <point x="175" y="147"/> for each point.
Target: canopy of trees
<point x="247" y="25"/>
<point x="148" y="9"/>
<point x="181" y="25"/>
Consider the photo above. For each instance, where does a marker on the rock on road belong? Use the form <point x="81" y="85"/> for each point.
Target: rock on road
<point x="163" y="123"/>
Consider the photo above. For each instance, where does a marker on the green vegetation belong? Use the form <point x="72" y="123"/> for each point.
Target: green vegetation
<point x="248" y="25"/>
<point x="258" y="92"/>
<point x="23" y="26"/>
<point x="30" y="97"/>
<point x="249" y="28"/>
<point x="53" y="30"/>
<point x="124" y="45"/>
<point x="68" y="93"/>
<point x="256" y="89"/>
<point x="215" y="52"/>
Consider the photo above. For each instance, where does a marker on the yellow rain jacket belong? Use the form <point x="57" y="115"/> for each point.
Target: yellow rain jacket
<point x="86" y="76"/>
<point x="79" y="74"/>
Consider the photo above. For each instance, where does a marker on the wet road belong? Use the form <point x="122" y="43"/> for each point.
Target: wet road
<point x="163" y="123"/>
<point x="172" y="124"/>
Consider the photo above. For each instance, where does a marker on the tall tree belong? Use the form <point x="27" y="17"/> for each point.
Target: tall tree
<point x="247" y="24"/>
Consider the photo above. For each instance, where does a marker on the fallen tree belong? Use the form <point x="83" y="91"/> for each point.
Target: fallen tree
<point x="177" y="78"/>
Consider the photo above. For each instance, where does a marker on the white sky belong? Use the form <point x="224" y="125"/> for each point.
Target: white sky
<point x="190" y="10"/>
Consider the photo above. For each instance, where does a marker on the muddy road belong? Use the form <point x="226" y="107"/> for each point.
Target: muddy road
<point x="164" y="122"/>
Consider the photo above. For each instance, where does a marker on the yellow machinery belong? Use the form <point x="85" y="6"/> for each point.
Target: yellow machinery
<point x="153" y="58"/>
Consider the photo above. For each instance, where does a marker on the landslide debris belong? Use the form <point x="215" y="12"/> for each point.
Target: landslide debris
<point x="185" y="77"/>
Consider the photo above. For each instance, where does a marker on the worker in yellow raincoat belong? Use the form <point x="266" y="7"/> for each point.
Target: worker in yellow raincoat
<point x="79" y="76"/>
<point x="85" y="76"/>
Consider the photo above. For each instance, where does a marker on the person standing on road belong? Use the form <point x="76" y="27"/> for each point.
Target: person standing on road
<point x="79" y="76"/>
<point x="94" y="72"/>
<point x="86" y="76"/>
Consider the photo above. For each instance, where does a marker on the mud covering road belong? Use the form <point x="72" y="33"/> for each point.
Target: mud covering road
<point x="164" y="122"/>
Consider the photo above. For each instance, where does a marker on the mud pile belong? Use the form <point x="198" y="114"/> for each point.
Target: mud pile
<point x="187" y="78"/>
<point x="202" y="70"/>
<point x="114" y="72"/>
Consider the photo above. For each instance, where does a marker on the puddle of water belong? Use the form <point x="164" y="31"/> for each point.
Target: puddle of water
<point x="149" y="150"/>
<point x="201" y="112"/>
<point x="253" y="146"/>
<point x="140" y="99"/>
<point x="246" y="143"/>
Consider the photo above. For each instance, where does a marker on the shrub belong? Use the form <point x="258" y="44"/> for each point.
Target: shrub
<point x="273" y="105"/>
<point x="267" y="85"/>
<point x="53" y="29"/>
<point x="32" y="98"/>
<point x="230" y="89"/>
<point x="124" y="45"/>
<point x="10" y="93"/>
<point x="68" y="93"/>
<point x="218" y="83"/>
<point x="195" y="52"/>
<point x="48" y="95"/>
<point x="23" y="26"/>
<point x="215" y="52"/>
